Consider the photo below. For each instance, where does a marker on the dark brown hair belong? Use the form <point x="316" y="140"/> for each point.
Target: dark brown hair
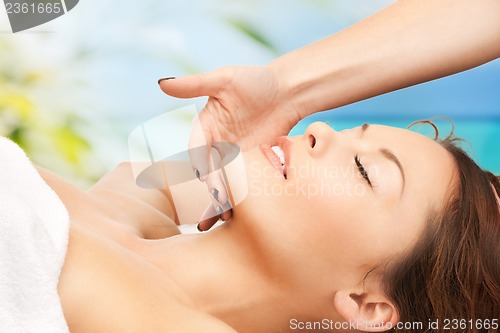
<point x="452" y="274"/>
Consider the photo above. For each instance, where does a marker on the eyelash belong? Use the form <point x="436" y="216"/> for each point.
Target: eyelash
<point x="362" y="170"/>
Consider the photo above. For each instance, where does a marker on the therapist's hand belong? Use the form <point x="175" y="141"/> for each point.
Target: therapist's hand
<point x="247" y="106"/>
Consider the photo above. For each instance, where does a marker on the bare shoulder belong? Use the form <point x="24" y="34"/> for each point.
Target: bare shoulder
<point x="104" y="287"/>
<point x="122" y="180"/>
<point x="149" y="211"/>
<point x="189" y="320"/>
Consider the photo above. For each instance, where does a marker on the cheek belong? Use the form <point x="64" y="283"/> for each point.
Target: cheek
<point x="335" y="195"/>
<point x="326" y="209"/>
<point x="327" y="192"/>
<point x="349" y="228"/>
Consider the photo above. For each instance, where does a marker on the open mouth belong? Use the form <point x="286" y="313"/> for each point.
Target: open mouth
<point x="281" y="155"/>
<point x="276" y="157"/>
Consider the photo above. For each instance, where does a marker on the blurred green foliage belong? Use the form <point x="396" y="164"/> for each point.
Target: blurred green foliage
<point x="50" y="138"/>
<point x="253" y="33"/>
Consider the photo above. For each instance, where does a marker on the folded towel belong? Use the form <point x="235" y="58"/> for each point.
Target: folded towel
<point x="34" y="227"/>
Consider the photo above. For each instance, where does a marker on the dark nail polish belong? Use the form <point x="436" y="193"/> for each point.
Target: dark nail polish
<point x="198" y="227"/>
<point x="166" y="78"/>
<point x="215" y="193"/>
<point x="197" y="173"/>
<point x="219" y="210"/>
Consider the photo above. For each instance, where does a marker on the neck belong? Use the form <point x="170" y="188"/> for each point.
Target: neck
<point x="226" y="276"/>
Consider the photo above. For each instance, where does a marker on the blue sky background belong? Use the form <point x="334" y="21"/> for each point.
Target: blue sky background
<point x="102" y="60"/>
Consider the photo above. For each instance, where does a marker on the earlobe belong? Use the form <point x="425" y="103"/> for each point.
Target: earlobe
<point x="369" y="313"/>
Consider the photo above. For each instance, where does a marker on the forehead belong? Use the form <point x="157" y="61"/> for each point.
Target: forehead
<point x="429" y="167"/>
<point x="420" y="145"/>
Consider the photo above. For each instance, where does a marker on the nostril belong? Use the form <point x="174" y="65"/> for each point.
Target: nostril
<point x="312" y="141"/>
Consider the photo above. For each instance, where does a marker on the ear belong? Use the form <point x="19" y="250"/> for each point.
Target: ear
<point x="368" y="312"/>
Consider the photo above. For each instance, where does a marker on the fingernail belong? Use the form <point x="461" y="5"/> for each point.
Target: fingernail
<point x="215" y="193"/>
<point x="218" y="210"/>
<point x="198" y="227"/>
<point x="166" y="78"/>
<point x="197" y="173"/>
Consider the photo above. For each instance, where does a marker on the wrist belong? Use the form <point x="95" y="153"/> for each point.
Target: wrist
<point x="310" y="83"/>
<point x="289" y="89"/>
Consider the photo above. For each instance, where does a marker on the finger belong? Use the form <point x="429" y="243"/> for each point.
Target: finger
<point x="222" y="153"/>
<point x="227" y="212"/>
<point x="215" y="180"/>
<point x="208" y="219"/>
<point x="221" y="209"/>
<point x="205" y="84"/>
<point x="198" y="151"/>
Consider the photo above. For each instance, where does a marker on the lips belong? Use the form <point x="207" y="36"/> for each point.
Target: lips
<point x="278" y="155"/>
<point x="281" y="155"/>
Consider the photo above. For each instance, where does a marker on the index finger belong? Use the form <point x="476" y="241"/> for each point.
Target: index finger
<point x="199" y="153"/>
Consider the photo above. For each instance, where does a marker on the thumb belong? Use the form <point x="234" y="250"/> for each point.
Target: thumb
<point x="205" y="84"/>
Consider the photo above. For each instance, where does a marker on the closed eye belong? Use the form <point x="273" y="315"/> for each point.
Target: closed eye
<point x="362" y="170"/>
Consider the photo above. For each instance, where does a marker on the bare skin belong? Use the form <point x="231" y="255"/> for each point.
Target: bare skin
<point x="406" y="43"/>
<point x="286" y="253"/>
<point x="105" y="286"/>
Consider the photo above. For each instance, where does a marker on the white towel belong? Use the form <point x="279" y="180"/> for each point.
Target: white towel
<point x="34" y="226"/>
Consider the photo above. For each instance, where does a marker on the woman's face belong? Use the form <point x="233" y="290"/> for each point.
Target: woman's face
<point x="350" y="199"/>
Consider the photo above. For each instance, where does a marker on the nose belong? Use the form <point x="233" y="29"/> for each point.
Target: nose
<point x="319" y="136"/>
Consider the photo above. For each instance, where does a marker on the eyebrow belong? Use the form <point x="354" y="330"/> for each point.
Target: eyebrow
<point x="390" y="156"/>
